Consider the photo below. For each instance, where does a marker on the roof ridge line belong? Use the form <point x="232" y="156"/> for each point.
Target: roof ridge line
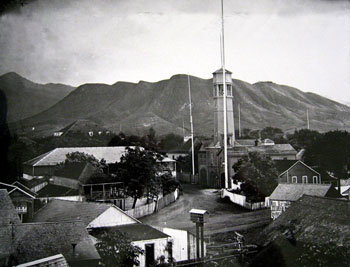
<point x="44" y="156"/>
<point x="58" y="222"/>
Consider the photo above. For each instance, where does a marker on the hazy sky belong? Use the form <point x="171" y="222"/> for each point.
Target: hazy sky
<point x="301" y="43"/>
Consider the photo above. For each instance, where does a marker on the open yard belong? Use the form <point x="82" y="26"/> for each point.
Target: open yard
<point x="223" y="216"/>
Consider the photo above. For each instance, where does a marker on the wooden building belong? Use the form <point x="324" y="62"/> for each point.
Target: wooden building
<point x="298" y="173"/>
<point x="22" y="198"/>
<point x="287" y="193"/>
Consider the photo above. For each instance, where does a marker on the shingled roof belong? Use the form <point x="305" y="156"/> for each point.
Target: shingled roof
<point x="52" y="190"/>
<point x="292" y="192"/>
<point x="8" y="213"/>
<point x="135" y="232"/>
<point x="61" y="210"/>
<point x="314" y="231"/>
<point x="32" y="241"/>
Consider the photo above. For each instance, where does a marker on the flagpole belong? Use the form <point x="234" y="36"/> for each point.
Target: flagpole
<point x="191" y="120"/>
<point x="225" y="93"/>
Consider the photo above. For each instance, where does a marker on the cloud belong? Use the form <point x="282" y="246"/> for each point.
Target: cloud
<point x="301" y="43"/>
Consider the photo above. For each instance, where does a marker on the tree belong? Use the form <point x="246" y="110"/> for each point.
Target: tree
<point x="257" y="173"/>
<point x="331" y="152"/>
<point x="303" y="138"/>
<point x="138" y="169"/>
<point x="81" y="157"/>
<point x="171" y="141"/>
<point x="116" y="250"/>
<point x="276" y="134"/>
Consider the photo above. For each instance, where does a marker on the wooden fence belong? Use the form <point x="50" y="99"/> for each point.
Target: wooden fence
<point x="150" y="208"/>
<point x="243" y="202"/>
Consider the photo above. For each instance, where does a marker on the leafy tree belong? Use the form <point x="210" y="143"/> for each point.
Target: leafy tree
<point x="99" y="172"/>
<point x="185" y="163"/>
<point x="80" y="157"/>
<point x="276" y="134"/>
<point x="138" y="169"/>
<point x="171" y="141"/>
<point x="257" y="173"/>
<point x="168" y="183"/>
<point x="331" y="152"/>
<point x="303" y="138"/>
<point x="116" y="250"/>
<point x="150" y="140"/>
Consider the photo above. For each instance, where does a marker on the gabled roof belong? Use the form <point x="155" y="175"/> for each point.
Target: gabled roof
<point x="32" y="183"/>
<point x="245" y="142"/>
<point x="23" y="189"/>
<point x="76" y="170"/>
<point x="274" y="149"/>
<point x="61" y="210"/>
<point x="318" y="230"/>
<point x="283" y="165"/>
<point x="32" y="241"/>
<point x="292" y="192"/>
<point x="52" y="190"/>
<point x="111" y="154"/>
<point x="277" y="149"/>
<point x="136" y="232"/>
<point x="299" y="162"/>
<point x="8" y="213"/>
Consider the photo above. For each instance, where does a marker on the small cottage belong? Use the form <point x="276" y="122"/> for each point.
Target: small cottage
<point x="297" y="172"/>
<point x="285" y="194"/>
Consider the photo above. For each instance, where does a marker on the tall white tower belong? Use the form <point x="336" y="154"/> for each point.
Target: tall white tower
<point x="218" y="84"/>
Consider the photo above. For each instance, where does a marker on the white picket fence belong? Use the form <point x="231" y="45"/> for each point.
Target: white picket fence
<point x="150" y="208"/>
<point x="242" y="201"/>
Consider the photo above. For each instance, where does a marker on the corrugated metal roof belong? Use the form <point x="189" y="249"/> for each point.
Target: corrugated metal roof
<point x="111" y="154"/>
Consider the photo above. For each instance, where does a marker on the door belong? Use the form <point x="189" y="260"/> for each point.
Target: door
<point x="149" y="254"/>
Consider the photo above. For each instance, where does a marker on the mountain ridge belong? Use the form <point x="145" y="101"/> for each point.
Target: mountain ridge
<point x="163" y="105"/>
<point x="26" y="98"/>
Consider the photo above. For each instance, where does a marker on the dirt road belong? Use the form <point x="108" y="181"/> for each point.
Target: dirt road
<point x="223" y="217"/>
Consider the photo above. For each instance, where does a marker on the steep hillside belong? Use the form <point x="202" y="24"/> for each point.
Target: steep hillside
<point x="25" y="98"/>
<point x="163" y="105"/>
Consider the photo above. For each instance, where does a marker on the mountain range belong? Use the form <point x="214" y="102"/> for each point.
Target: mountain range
<point x="26" y="98"/>
<point x="164" y="105"/>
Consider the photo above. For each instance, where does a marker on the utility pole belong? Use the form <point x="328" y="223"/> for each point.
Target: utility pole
<point x="239" y="120"/>
<point x="191" y="121"/>
<point x="307" y="119"/>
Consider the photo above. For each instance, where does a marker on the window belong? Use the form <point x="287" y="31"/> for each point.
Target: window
<point x="315" y="179"/>
<point x="294" y="179"/>
<point x="305" y="181"/>
<point x="221" y="89"/>
<point x="229" y="90"/>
